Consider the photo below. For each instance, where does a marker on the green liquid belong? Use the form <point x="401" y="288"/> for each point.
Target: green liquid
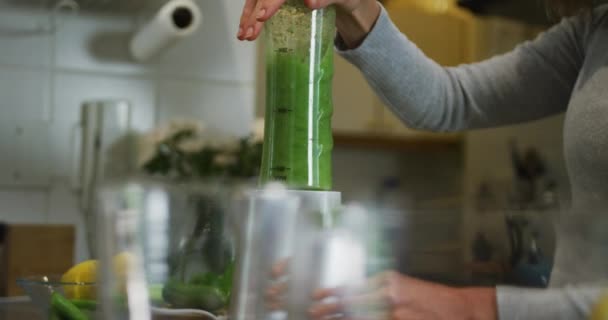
<point x="298" y="138"/>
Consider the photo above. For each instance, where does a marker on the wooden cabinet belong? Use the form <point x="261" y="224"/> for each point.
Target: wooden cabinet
<point x="354" y="101"/>
<point x="33" y="250"/>
<point x="447" y="37"/>
<point x="496" y="35"/>
<point x="450" y="36"/>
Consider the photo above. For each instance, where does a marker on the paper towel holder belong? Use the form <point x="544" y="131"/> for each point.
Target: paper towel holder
<point x="176" y="19"/>
<point x="182" y="17"/>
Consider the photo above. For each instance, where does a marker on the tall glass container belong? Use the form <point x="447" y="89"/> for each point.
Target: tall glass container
<point x="299" y="61"/>
<point x="167" y="251"/>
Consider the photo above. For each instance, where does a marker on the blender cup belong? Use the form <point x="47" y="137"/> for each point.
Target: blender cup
<point x="299" y="61"/>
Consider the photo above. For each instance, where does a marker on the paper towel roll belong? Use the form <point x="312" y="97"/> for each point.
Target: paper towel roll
<point x="176" y="20"/>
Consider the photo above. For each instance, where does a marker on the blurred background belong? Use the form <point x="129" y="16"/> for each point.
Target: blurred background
<point x="476" y="206"/>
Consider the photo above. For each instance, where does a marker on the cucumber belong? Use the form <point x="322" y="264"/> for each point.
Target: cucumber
<point x="155" y="292"/>
<point x="181" y="295"/>
<point x="65" y="309"/>
<point x="205" y="279"/>
<point x="88" y="305"/>
<point x="54" y="316"/>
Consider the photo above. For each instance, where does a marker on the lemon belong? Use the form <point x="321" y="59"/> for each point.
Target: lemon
<point x="600" y="311"/>
<point x="84" y="272"/>
<point x="122" y="263"/>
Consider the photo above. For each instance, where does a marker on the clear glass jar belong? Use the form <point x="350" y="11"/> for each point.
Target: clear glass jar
<point x="166" y="249"/>
<point x="299" y="60"/>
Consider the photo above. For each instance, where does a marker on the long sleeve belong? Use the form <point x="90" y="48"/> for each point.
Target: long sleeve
<point x="570" y="303"/>
<point x="531" y="82"/>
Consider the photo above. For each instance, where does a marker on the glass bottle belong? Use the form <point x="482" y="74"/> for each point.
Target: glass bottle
<point x="299" y="70"/>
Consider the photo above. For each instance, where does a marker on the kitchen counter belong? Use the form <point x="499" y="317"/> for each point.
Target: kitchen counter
<point x="18" y="309"/>
<point x="23" y="309"/>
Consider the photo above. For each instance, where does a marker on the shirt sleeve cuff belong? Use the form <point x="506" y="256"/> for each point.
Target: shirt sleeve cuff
<point x="380" y="45"/>
<point x="382" y="29"/>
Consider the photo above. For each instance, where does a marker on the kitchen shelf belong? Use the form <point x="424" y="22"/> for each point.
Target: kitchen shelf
<point x="445" y="248"/>
<point x="403" y="143"/>
<point x="70" y="6"/>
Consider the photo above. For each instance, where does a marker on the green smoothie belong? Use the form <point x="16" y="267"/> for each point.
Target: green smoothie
<point x="298" y="138"/>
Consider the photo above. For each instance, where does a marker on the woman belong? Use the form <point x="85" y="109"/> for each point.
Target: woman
<point x="564" y="70"/>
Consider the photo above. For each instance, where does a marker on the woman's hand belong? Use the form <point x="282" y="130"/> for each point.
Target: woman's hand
<point x="355" y="18"/>
<point x="397" y="297"/>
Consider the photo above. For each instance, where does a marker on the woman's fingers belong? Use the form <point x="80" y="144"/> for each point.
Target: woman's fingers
<point x="337" y="302"/>
<point x="380" y="300"/>
<point x="317" y="4"/>
<point x="255" y="30"/>
<point x="375" y="297"/>
<point x="265" y="9"/>
<point x="371" y="285"/>
<point x="321" y="294"/>
<point x="249" y="27"/>
<point x="276" y="291"/>
<point x="275" y="297"/>
<point x="327" y="309"/>
<point x="279" y="269"/>
<point x="244" y="24"/>
<point x="255" y="12"/>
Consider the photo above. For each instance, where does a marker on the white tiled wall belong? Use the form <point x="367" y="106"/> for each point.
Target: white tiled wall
<point x="33" y="50"/>
<point x="96" y="43"/>
<point x="24" y="206"/>
<point x="216" y="103"/>
<point x="46" y="76"/>
<point x="216" y="53"/>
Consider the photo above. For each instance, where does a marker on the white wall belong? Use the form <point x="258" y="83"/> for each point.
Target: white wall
<point x="45" y="77"/>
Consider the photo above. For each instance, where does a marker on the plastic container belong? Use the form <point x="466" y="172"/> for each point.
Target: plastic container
<point x="299" y="61"/>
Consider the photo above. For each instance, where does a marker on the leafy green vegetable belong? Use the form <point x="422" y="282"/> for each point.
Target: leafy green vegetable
<point x="225" y="280"/>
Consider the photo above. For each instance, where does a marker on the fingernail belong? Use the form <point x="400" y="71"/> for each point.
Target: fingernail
<point x="249" y="32"/>
<point x="261" y="14"/>
<point x="313" y="3"/>
<point x="313" y="311"/>
<point x="240" y="33"/>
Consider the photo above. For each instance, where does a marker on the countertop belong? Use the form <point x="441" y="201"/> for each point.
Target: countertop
<point x="23" y="309"/>
<point x="18" y="309"/>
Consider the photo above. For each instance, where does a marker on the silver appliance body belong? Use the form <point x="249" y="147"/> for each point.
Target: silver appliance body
<point x="270" y="228"/>
<point x="106" y="152"/>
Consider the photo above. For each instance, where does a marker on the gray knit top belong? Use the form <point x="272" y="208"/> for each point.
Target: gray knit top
<point x="563" y="70"/>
